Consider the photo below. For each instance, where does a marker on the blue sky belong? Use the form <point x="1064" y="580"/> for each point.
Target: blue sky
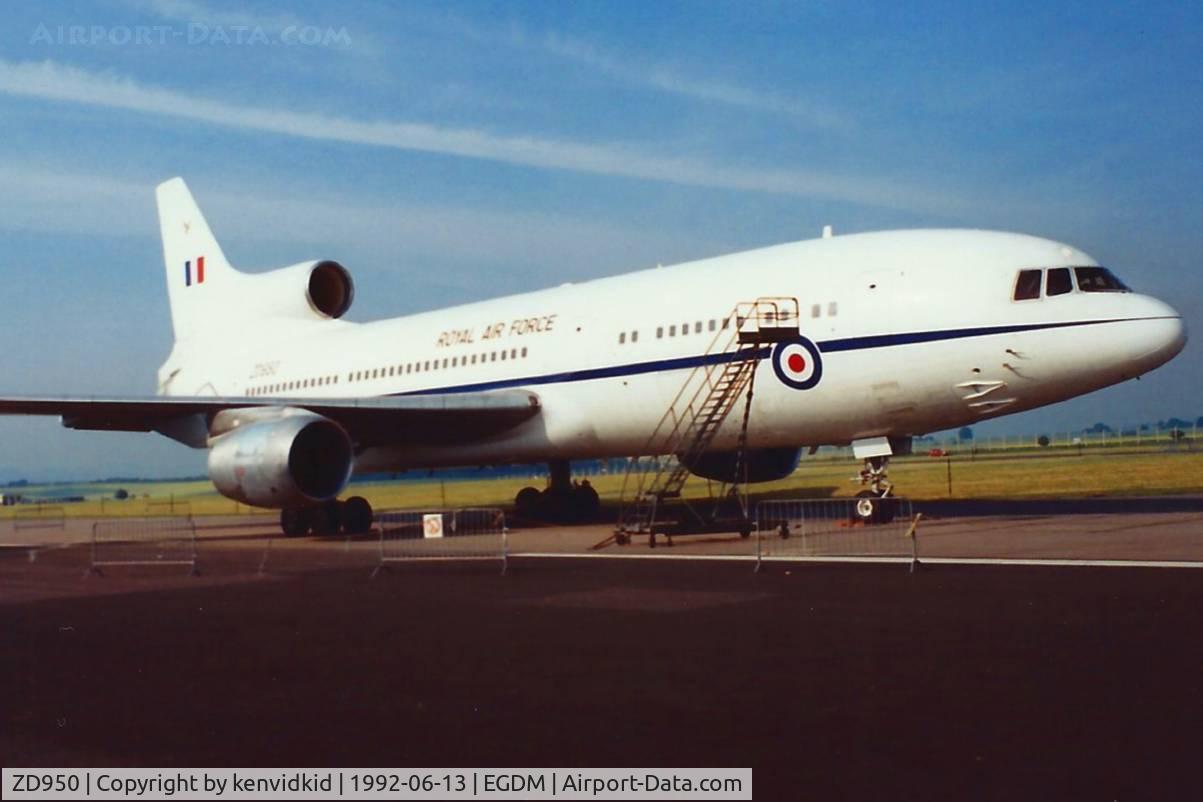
<point x="451" y="152"/>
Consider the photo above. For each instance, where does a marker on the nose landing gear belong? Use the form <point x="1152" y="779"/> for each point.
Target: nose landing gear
<point x="873" y="504"/>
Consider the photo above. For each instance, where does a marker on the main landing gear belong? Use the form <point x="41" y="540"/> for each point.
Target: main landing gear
<point x="563" y="501"/>
<point x="874" y="504"/>
<point x="352" y="517"/>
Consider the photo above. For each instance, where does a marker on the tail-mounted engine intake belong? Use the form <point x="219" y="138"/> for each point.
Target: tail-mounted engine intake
<point x="306" y="291"/>
<point x="330" y="289"/>
<point x="278" y="458"/>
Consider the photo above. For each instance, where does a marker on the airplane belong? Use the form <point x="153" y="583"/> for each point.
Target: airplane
<point x="895" y="334"/>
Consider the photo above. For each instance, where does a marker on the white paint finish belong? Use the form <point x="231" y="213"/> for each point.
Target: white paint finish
<point x="882" y="284"/>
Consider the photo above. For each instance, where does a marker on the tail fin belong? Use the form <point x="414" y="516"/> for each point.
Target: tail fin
<point x="198" y="275"/>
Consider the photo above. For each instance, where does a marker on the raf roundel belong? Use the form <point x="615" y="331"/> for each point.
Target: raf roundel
<point x="797" y="363"/>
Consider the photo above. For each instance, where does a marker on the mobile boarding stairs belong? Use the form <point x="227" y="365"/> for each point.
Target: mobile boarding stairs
<point x="709" y="395"/>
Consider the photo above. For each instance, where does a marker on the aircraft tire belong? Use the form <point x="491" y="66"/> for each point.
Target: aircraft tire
<point x="294" y="522"/>
<point x="326" y="519"/>
<point x="587" y="502"/>
<point x="357" y="516"/>
<point x="527" y="503"/>
<point x="871" y="508"/>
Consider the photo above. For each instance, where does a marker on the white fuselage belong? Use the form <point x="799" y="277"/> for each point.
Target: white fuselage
<point x="918" y="332"/>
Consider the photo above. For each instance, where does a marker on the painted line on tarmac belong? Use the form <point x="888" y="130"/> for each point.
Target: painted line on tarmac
<point x="1034" y="562"/>
<point x="1054" y="562"/>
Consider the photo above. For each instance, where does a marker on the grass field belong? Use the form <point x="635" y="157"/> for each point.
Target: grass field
<point x="1060" y="473"/>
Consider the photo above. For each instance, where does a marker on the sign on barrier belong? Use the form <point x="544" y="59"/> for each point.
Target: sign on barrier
<point x="39" y="516"/>
<point x="144" y="541"/>
<point x="466" y="534"/>
<point x="835" y="528"/>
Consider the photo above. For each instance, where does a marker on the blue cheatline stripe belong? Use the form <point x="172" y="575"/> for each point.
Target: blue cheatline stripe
<point x="635" y="369"/>
<point x="825" y="346"/>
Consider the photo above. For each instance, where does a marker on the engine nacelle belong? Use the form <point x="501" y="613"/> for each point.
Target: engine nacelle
<point x="764" y="464"/>
<point x="290" y="461"/>
<point x="322" y="290"/>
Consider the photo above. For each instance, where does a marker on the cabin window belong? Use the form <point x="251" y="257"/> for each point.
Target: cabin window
<point x="503" y="355"/>
<point x="713" y="324"/>
<point x="444" y="361"/>
<point x="816" y="310"/>
<point x="493" y="357"/>
<point x="635" y="336"/>
<point x="726" y="323"/>
<point x="514" y="353"/>
<point x="1098" y="279"/>
<point x="622" y="337"/>
<point x="833" y="309"/>
<point x="524" y="353"/>
<point x="1027" y="285"/>
<point x="426" y="365"/>
<point x="697" y="327"/>
<point x="672" y="331"/>
<point x="1059" y="282"/>
<point x="659" y="332"/>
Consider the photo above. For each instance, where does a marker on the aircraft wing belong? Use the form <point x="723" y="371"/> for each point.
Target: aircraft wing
<point x="391" y="420"/>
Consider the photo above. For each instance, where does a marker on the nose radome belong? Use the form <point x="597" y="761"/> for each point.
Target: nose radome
<point x="1162" y="333"/>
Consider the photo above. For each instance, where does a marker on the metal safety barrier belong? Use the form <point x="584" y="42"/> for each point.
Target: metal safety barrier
<point x="39" y="516"/>
<point x="144" y="541"/>
<point x="168" y="508"/>
<point x="793" y="529"/>
<point x="474" y="533"/>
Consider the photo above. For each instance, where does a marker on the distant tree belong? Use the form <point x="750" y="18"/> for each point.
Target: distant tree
<point x="1199" y="422"/>
<point x="122" y="494"/>
<point x="965" y="433"/>
<point x="1098" y="428"/>
<point x="1042" y="441"/>
<point x="1177" y="434"/>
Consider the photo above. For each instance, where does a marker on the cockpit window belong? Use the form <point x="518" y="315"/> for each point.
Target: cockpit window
<point x="1059" y="282"/>
<point x="1098" y="279"/>
<point x="1027" y="286"/>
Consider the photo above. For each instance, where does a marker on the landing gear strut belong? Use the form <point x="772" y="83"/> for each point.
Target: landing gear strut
<point x="352" y="517"/>
<point x="873" y="504"/>
<point x="563" y="501"/>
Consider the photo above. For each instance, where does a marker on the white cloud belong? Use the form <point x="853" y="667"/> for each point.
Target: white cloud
<point x="446" y="245"/>
<point x="191" y="11"/>
<point x="49" y="80"/>
<point x="666" y="79"/>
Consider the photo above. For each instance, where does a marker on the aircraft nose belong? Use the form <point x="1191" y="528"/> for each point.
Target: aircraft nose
<point x="1162" y="334"/>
